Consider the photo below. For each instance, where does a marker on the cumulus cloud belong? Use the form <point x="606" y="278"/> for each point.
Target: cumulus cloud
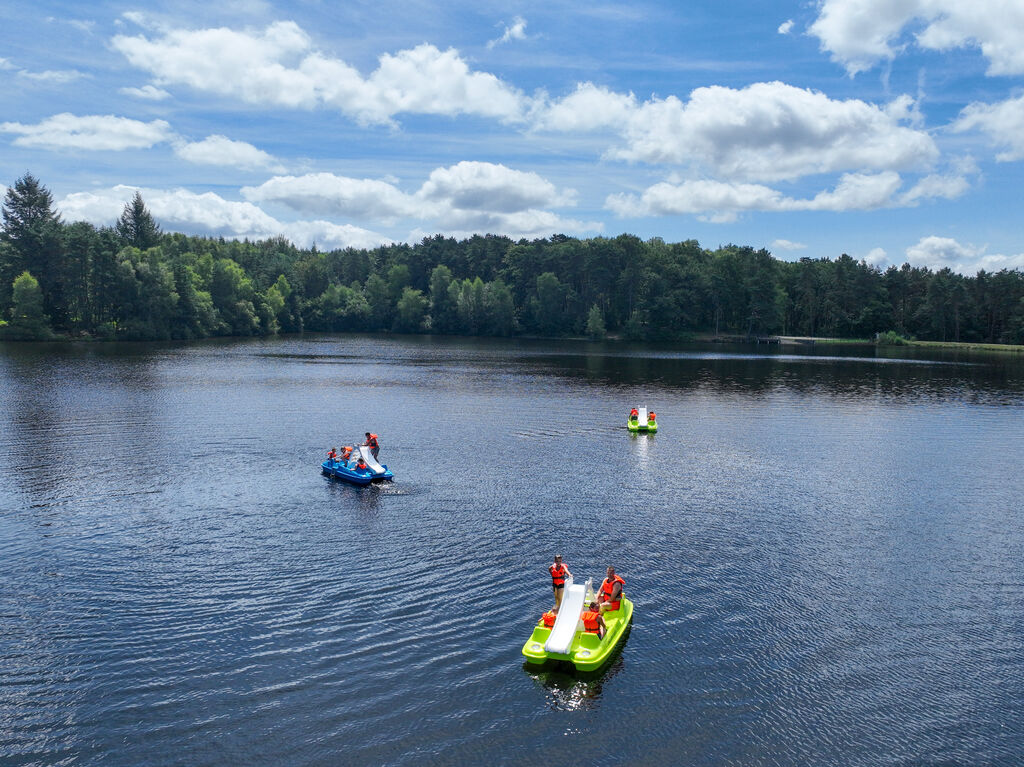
<point x="786" y="245"/>
<point x="515" y="32"/>
<point x="90" y="132"/>
<point x="860" y="33"/>
<point x="764" y="132"/>
<point x="588" y="108"/>
<point x="721" y="201"/>
<point x="1003" y="122"/>
<point x="877" y="257"/>
<point x="326" y="194"/>
<point x="147" y="92"/>
<point x="220" y="150"/>
<point x="279" y="66"/>
<point x="476" y="196"/>
<point x="491" y="187"/>
<point x="211" y="214"/>
<point x="785" y="27"/>
<point x="945" y="252"/>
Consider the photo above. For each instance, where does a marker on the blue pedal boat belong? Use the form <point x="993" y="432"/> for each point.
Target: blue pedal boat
<point x="346" y="470"/>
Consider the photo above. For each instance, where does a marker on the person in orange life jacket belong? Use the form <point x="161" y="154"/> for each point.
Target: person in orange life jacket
<point x="634" y="414"/>
<point x="593" y="623"/>
<point x="611" y="591"/>
<point x="559" y="572"/>
<point x="346" y="452"/>
<point x="371" y="442"/>
<point x="650" y="417"/>
<point x="333" y="455"/>
<point x="548" y="618"/>
<point x="361" y="464"/>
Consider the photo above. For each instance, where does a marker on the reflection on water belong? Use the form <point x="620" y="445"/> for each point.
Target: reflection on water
<point x="823" y="550"/>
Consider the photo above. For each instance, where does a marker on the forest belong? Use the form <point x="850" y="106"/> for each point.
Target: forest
<point x="131" y="281"/>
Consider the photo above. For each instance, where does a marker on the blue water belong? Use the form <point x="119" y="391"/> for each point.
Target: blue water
<point x="825" y="553"/>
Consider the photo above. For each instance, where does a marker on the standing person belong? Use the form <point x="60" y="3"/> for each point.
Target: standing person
<point x="559" y="572"/>
<point x="373" y="444"/>
<point x="611" y="591"/>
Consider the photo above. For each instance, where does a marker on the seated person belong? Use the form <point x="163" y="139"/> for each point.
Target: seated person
<point x="593" y="623"/>
<point x="548" y="618"/>
<point x="650" y="417"/>
<point x="361" y="464"/>
<point x="346" y="452"/>
<point x="634" y="414"/>
<point x="333" y="455"/>
<point x="611" y="591"/>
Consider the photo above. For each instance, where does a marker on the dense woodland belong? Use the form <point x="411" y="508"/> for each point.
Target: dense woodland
<point x="132" y="281"/>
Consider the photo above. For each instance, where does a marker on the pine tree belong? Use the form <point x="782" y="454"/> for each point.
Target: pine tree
<point x="33" y="233"/>
<point x="136" y="226"/>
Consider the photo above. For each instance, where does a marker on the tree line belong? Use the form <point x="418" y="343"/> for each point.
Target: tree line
<point x="132" y="281"/>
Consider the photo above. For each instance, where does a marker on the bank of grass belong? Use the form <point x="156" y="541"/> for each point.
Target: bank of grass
<point x="970" y="347"/>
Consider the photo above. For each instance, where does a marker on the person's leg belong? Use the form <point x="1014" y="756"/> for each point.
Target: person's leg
<point x="559" y="590"/>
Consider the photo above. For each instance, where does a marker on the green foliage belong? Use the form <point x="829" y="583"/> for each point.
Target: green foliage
<point x="28" y="320"/>
<point x="595" y="323"/>
<point x="412" y="308"/>
<point x="136" y="227"/>
<point x="891" y="338"/>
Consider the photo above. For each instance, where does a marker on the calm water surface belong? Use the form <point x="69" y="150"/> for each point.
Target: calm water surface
<point x="825" y="552"/>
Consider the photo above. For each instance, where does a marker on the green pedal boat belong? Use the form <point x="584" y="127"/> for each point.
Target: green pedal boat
<point x="567" y="641"/>
<point x="642" y="422"/>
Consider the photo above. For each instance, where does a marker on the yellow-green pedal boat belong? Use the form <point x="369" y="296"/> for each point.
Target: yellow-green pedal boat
<point x="567" y="641"/>
<point x="642" y="424"/>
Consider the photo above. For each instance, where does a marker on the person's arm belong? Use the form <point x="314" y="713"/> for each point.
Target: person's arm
<point x="616" y="592"/>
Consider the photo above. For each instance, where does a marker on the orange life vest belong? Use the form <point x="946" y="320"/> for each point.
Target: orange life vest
<point x="608" y="586"/>
<point x="558" y="575"/>
<point x="372" y="441"/>
<point x="650" y="416"/>
<point x="346" y="452"/>
<point x="361" y="464"/>
<point x="548" y="618"/>
<point x="590" y="622"/>
<point x="332" y="455"/>
<point x="634" y="413"/>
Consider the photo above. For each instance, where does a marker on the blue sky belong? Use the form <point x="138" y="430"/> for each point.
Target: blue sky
<point x="891" y="130"/>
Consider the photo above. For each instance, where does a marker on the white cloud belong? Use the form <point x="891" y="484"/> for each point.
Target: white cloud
<point x="220" y="150"/>
<point x="148" y="92"/>
<point x="877" y="257"/>
<point x="766" y="131"/>
<point x="330" y="195"/>
<point x="720" y="201"/>
<point x="475" y="196"/>
<point x="491" y="187"/>
<point x="280" y="67"/>
<point x="945" y="252"/>
<point x="57" y="77"/>
<point x="588" y="108"/>
<point x="785" y="27"/>
<point x="861" y="33"/>
<point x="91" y="132"/>
<point x="210" y="214"/>
<point x="516" y="32"/>
<point x="787" y="245"/>
<point x="936" y="186"/>
<point x="5" y="64"/>
<point x="1003" y="122"/>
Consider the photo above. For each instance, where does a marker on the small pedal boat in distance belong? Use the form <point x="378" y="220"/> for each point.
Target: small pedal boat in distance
<point x="642" y="423"/>
<point x="348" y="471"/>
<point x="567" y="641"/>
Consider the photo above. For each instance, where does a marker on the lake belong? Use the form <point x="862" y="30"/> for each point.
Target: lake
<point x="824" y="548"/>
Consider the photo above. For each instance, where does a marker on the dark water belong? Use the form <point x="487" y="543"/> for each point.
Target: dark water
<point x="826" y="554"/>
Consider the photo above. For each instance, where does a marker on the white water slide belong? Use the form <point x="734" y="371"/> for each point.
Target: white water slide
<point x="568" y="619"/>
<point x="375" y="467"/>
<point x="642" y="418"/>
